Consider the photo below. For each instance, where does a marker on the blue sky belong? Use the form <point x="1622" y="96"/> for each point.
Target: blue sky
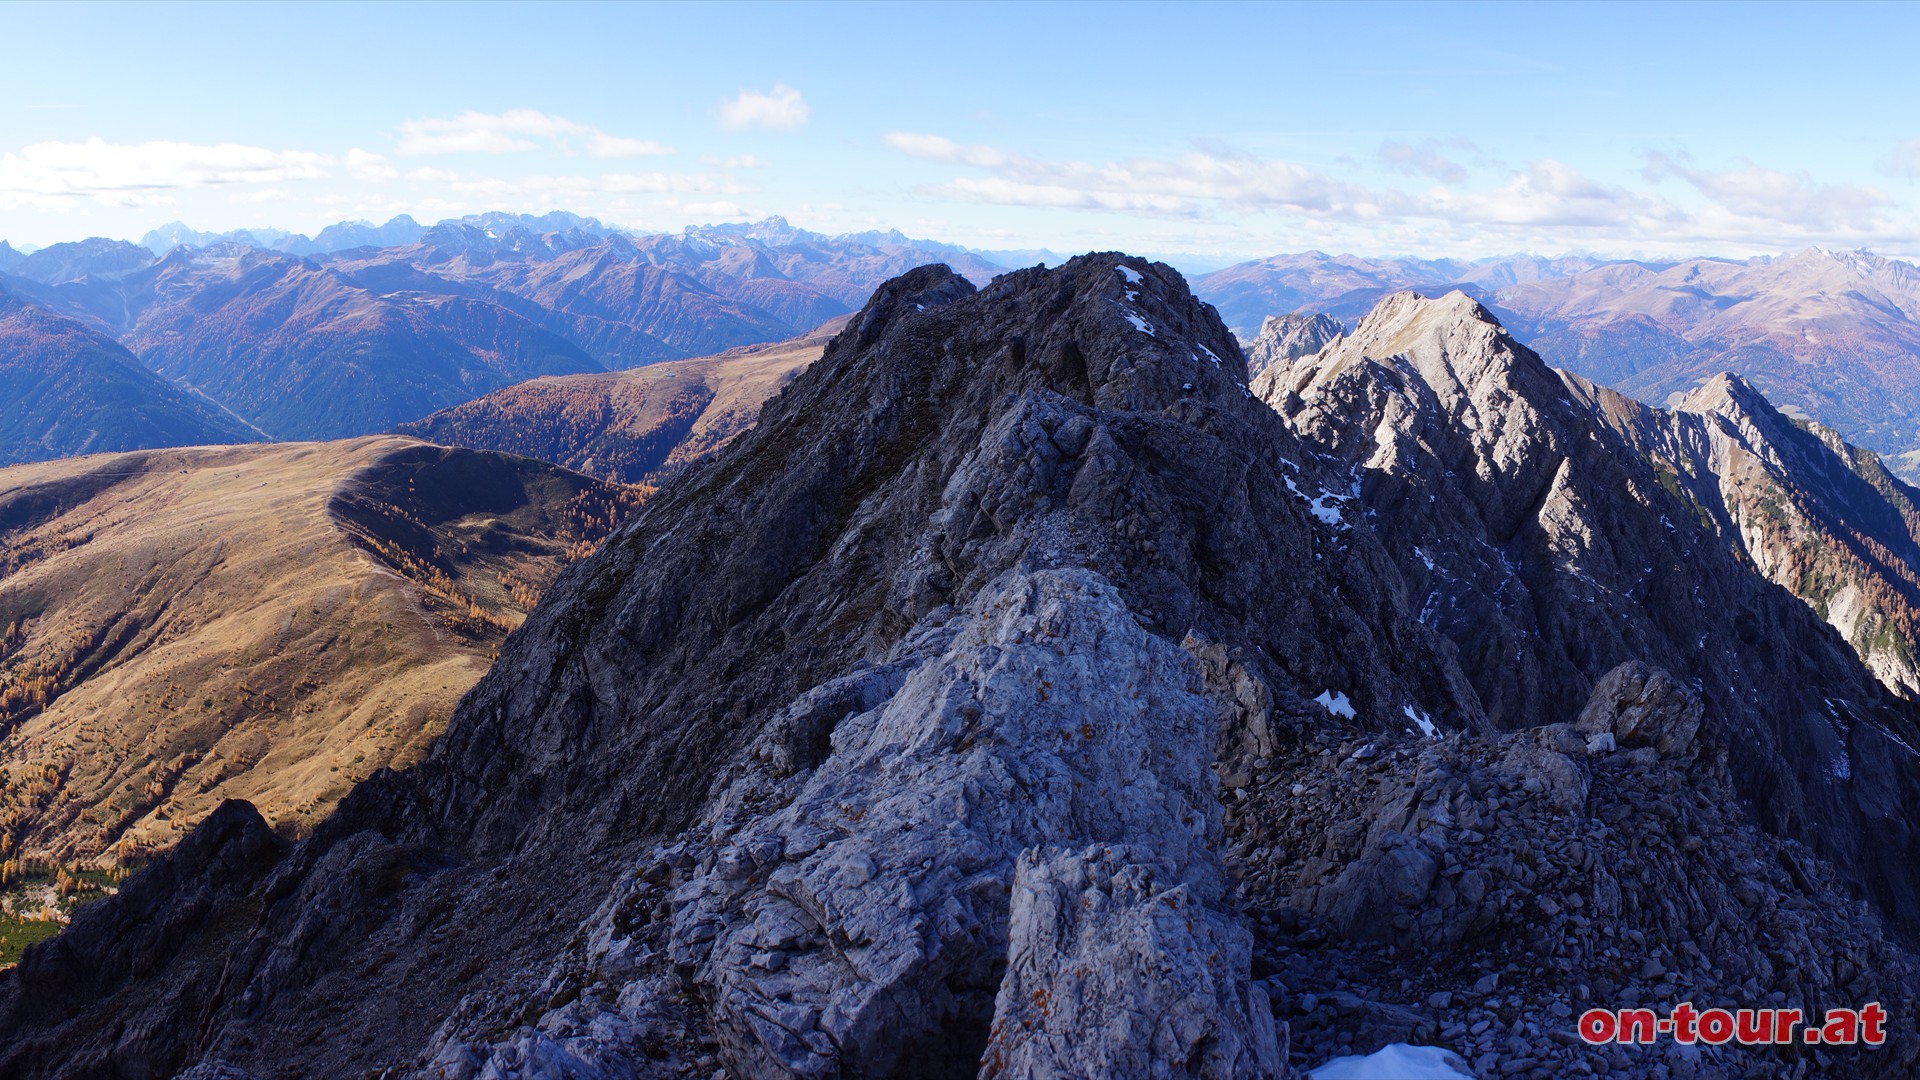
<point x="1229" y="130"/>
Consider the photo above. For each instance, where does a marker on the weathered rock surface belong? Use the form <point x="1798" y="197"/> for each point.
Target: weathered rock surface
<point x="1023" y="696"/>
<point x="1286" y="338"/>
<point x="1050" y="717"/>
<point x="1636" y="705"/>
<point x="1548" y="552"/>
<point x="1117" y="968"/>
<point x="1822" y="519"/>
<point x="1432" y="892"/>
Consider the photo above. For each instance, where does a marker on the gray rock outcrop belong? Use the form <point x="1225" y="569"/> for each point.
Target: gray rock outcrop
<point x="1286" y="338"/>
<point x="1546" y="549"/>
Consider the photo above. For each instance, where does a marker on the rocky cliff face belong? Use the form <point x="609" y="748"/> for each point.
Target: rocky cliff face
<point x="1286" y="338"/>
<point x="1547" y="552"/>
<point x="1023" y="696"/>
<point x="1823" y="519"/>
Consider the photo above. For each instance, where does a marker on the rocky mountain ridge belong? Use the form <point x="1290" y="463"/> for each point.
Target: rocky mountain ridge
<point x="1286" y="338"/>
<point x="1023" y="695"/>
<point x="1827" y="335"/>
<point x="1819" y="517"/>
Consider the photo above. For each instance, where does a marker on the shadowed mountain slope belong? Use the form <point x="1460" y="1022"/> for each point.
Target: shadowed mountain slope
<point x="65" y="389"/>
<point x="1548" y="552"/>
<point x="1818" y="516"/>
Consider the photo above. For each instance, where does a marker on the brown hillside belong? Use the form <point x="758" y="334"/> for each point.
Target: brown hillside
<point x="629" y="426"/>
<point x="270" y="623"/>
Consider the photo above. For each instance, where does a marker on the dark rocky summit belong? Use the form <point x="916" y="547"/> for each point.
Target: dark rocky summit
<point x="1025" y="696"/>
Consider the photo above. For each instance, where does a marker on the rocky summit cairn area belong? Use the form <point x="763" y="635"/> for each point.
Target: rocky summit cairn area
<point x="1029" y="694"/>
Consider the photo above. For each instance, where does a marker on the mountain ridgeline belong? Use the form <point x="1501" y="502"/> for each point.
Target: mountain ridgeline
<point x="66" y="389"/>
<point x="1028" y="695"/>
<point x="366" y="328"/>
<point x="1830" y="335"/>
<point x="629" y="426"/>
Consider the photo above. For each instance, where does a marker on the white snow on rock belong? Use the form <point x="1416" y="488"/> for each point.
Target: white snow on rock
<point x="1141" y="324"/>
<point x="1323" y="505"/>
<point x="1128" y="272"/>
<point x="1422" y="721"/>
<point x="1336" y="703"/>
<point x="1395" y="1061"/>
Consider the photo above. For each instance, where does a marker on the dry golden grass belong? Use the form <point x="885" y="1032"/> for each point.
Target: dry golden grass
<point x="633" y="426"/>
<point x="270" y="623"/>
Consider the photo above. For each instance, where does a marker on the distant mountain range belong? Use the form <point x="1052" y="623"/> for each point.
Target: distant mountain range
<point x="66" y="389"/>
<point x="1830" y="335"/>
<point x="260" y="334"/>
<point x="363" y="327"/>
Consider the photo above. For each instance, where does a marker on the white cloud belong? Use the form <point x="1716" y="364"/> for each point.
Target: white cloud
<point x="736" y="161"/>
<point x="1550" y="194"/>
<point x="781" y="108"/>
<point x="1425" y="159"/>
<point x="1003" y="192"/>
<point x="941" y="148"/>
<point x="561" y="187"/>
<point x="515" y="132"/>
<point x="1548" y="205"/>
<point x="1177" y="186"/>
<point x="1903" y="162"/>
<point x="716" y="210"/>
<point x="55" y="174"/>
<point x="1792" y="199"/>
<point x="603" y="145"/>
<point x="369" y="167"/>
<point x="261" y="195"/>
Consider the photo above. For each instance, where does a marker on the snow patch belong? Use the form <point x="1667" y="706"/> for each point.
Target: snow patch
<point x="1128" y="272"/>
<point x="1141" y="324"/>
<point x="1422" y="721"/>
<point x="1335" y="703"/>
<point x="1325" y="512"/>
<point x="1210" y="356"/>
<point x="1394" y="1061"/>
